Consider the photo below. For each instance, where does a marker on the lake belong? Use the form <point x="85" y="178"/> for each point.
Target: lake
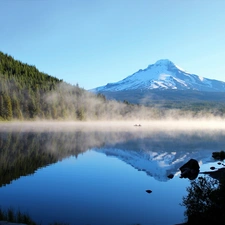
<point x="98" y="173"/>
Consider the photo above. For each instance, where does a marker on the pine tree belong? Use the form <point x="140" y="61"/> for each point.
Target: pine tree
<point x="8" y="108"/>
<point x="1" y="106"/>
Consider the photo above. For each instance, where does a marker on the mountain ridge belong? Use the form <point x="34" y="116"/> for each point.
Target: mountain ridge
<point x="163" y="75"/>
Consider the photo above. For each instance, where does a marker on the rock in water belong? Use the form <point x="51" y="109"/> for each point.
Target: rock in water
<point x="190" y="169"/>
<point x="170" y="176"/>
<point x="149" y="191"/>
<point x="219" y="155"/>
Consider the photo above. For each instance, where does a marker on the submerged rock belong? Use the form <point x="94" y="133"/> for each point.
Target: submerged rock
<point x="149" y="191"/>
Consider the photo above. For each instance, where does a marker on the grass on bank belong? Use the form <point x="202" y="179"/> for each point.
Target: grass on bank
<point x="13" y="216"/>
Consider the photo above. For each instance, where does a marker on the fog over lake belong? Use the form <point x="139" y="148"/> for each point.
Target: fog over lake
<point x="98" y="172"/>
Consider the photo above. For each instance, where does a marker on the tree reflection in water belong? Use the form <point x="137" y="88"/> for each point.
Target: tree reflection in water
<point x="205" y="202"/>
<point x="22" y="153"/>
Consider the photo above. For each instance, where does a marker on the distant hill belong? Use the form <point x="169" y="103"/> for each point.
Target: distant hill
<point x="152" y="97"/>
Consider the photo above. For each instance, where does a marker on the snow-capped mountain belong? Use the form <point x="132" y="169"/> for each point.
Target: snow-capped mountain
<point x="163" y="75"/>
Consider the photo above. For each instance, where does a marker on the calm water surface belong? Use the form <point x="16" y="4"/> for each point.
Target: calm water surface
<point x="100" y="176"/>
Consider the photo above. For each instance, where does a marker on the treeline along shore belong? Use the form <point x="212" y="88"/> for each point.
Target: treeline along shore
<point x="28" y="94"/>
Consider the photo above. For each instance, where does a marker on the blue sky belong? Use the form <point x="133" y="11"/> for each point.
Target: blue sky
<point x="94" y="42"/>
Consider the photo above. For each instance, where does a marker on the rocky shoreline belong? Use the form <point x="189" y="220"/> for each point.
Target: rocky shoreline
<point x="217" y="174"/>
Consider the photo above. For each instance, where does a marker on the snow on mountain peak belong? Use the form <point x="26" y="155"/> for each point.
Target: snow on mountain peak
<point x="164" y="74"/>
<point x="166" y="62"/>
<point x="162" y="63"/>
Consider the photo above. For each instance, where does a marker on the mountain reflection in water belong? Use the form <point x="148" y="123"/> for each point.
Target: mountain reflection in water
<point x="109" y="183"/>
<point x="158" y="153"/>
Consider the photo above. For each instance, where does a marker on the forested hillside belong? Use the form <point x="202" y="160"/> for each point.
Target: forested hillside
<point x="22" y="88"/>
<point x="28" y="94"/>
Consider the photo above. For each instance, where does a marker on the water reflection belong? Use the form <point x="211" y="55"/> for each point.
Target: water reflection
<point x="158" y="153"/>
<point x="161" y="154"/>
<point x="22" y="153"/>
<point x="92" y="174"/>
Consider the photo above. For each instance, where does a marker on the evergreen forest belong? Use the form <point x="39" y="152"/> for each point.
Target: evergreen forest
<point x="28" y="94"/>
